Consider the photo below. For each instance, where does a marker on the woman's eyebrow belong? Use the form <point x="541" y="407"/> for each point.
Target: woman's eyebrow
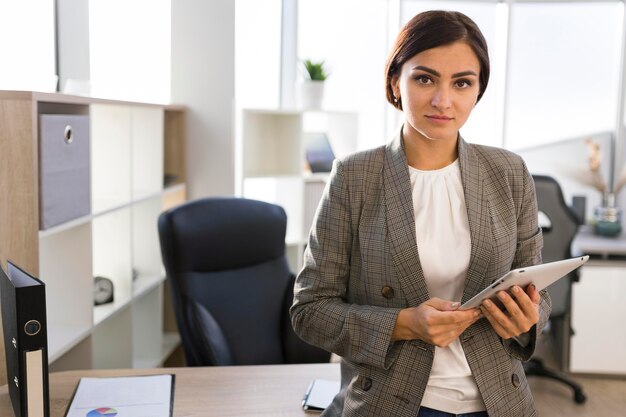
<point x="437" y="74"/>
<point x="464" y="74"/>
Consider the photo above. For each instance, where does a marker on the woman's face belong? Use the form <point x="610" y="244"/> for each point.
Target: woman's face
<point x="438" y="88"/>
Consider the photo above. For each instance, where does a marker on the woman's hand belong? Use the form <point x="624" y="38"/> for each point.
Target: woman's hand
<point x="435" y="321"/>
<point x="522" y="311"/>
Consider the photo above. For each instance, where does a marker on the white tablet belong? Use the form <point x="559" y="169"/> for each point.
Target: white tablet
<point x="540" y="275"/>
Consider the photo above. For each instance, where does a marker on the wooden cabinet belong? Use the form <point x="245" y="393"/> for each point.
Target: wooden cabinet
<point x="271" y="164"/>
<point x="136" y="171"/>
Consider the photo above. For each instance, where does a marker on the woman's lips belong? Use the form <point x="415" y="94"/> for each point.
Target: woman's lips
<point x="439" y="118"/>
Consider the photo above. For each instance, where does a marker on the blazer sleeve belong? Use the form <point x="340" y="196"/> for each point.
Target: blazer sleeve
<point x="529" y="246"/>
<point x="320" y="312"/>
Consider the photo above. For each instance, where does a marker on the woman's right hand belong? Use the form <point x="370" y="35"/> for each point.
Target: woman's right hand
<point x="435" y="321"/>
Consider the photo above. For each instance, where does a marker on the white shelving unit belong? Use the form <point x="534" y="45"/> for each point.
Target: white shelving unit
<point x="271" y="164"/>
<point x="135" y="149"/>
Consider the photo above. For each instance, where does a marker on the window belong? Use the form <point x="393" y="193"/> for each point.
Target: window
<point x="257" y="53"/>
<point x="563" y="71"/>
<point x="27" y="45"/>
<point x="130" y="49"/>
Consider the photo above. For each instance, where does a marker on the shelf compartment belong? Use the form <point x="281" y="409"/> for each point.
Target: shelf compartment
<point x="146" y="283"/>
<point x="170" y="343"/>
<point x="69" y="286"/>
<point x="112" y="258"/>
<point x="271" y="144"/>
<point x="146" y="251"/>
<point x="147" y="315"/>
<point x="340" y="127"/>
<point x="111" y="131"/>
<point x="147" y="151"/>
<point x="63" y="338"/>
<point x="79" y="356"/>
<point x="112" y="341"/>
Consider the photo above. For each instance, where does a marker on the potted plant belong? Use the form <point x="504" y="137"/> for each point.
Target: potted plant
<point x="312" y="89"/>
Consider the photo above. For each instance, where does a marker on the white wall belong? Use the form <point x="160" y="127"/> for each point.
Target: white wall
<point x="203" y="78"/>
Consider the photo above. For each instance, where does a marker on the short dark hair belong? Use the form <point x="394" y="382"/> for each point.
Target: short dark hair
<point x="429" y="30"/>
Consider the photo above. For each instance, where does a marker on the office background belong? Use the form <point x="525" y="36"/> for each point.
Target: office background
<point x="557" y="66"/>
<point x="557" y="69"/>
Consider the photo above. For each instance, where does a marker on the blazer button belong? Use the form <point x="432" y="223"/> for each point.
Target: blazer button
<point x="366" y="384"/>
<point x="387" y="292"/>
<point x="515" y="380"/>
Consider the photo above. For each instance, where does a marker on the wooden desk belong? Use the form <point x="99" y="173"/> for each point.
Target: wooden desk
<point x="266" y="390"/>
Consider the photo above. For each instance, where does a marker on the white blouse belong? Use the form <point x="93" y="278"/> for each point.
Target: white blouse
<point x="443" y="242"/>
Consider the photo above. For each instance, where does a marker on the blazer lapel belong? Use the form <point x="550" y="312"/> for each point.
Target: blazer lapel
<point x="479" y="218"/>
<point x="401" y="223"/>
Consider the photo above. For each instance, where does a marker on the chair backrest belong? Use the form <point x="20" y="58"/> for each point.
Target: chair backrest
<point x="230" y="281"/>
<point x="557" y="236"/>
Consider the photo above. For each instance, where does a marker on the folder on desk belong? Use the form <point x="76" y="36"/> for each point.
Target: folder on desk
<point x="320" y="394"/>
<point x="23" y="300"/>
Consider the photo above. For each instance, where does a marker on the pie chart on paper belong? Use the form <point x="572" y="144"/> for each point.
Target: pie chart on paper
<point x="102" y="412"/>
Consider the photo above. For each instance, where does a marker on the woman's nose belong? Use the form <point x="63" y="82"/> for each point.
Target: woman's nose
<point x="441" y="100"/>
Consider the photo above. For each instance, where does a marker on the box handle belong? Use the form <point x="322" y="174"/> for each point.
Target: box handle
<point x="68" y="136"/>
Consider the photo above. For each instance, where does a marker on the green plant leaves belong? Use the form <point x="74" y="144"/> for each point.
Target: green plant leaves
<point x="315" y="70"/>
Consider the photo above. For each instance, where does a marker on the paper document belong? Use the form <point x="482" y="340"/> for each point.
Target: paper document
<point x="137" y="396"/>
<point x="320" y="394"/>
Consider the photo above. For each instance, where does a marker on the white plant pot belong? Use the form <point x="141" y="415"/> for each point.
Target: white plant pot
<point x="311" y="94"/>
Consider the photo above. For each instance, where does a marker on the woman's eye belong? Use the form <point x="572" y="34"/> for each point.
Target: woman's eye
<point x="423" y="79"/>
<point x="463" y="83"/>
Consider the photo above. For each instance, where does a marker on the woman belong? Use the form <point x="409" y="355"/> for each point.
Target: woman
<point x="408" y="231"/>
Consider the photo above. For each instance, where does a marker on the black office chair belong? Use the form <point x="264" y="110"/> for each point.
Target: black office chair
<point x="557" y="237"/>
<point x="230" y="283"/>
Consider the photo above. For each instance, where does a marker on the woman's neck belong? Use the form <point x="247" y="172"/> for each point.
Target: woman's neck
<point x="429" y="154"/>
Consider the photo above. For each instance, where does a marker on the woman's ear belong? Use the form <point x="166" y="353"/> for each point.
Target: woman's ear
<point x="395" y="86"/>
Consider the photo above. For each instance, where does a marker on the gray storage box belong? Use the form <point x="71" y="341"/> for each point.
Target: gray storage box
<point x="63" y="168"/>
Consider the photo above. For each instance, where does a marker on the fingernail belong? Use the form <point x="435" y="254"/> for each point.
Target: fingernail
<point x="488" y="303"/>
<point x="454" y="305"/>
<point x="501" y="296"/>
<point x="516" y="289"/>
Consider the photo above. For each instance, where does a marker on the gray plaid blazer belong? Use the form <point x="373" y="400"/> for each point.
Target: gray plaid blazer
<point x="363" y="240"/>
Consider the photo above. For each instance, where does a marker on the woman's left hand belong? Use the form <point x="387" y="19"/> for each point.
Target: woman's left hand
<point x="522" y="311"/>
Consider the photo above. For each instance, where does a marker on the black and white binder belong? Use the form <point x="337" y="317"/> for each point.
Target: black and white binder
<point x="23" y="300"/>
